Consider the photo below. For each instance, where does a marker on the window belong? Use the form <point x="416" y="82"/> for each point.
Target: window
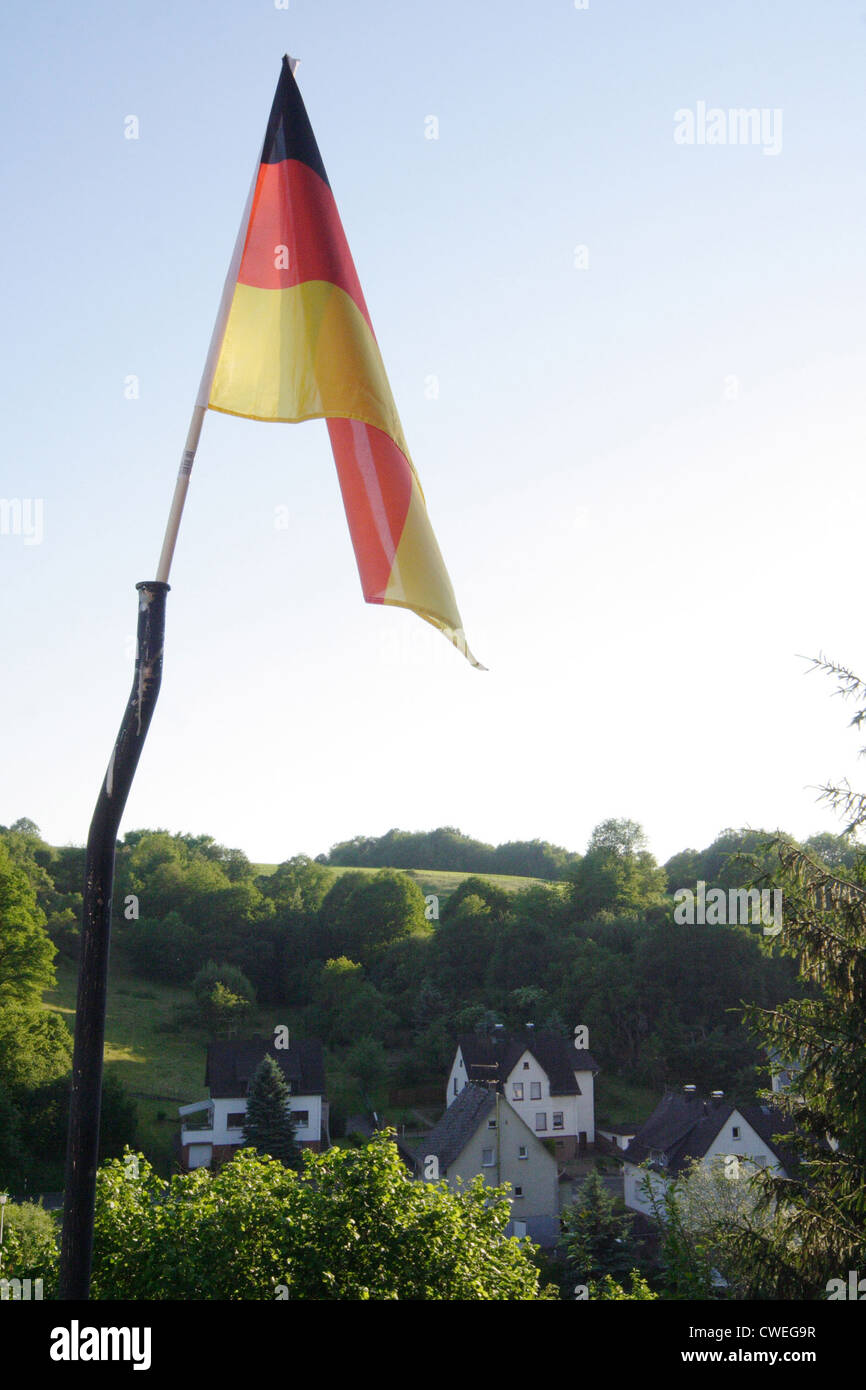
<point x="517" y="1091"/>
<point x="535" y="1090"/>
<point x="236" y="1119"/>
<point x="735" y="1132"/>
<point x="526" y="1066"/>
<point x="558" y="1121"/>
<point x="541" y="1120"/>
<point x="491" y="1124"/>
<point x="486" y="1158"/>
<point x="518" y="1191"/>
<point x="521" y="1152"/>
<point x="301" y="1118"/>
<point x="519" y="1230"/>
<point x="455" y="1085"/>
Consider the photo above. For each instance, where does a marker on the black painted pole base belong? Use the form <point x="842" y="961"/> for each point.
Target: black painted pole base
<point x="83" y="1140"/>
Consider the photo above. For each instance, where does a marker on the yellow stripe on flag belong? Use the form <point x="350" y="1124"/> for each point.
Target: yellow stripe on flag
<point x="302" y="353"/>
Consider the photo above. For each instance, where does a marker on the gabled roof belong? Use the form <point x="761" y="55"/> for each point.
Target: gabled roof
<point x="488" y="1058"/>
<point x="683" y="1127"/>
<point x="231" y="1065"/>
<point x="449" y="1137"/>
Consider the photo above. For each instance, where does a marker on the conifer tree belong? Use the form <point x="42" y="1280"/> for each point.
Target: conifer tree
<point x="268" y="1125"/>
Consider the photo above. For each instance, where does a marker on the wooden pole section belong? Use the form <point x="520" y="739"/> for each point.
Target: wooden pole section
<point x="83" y="1137"/>
<point x="180" y="491"/>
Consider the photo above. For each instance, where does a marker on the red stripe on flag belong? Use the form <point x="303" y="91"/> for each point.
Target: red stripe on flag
<point x="376" y="483"/>
<point x="295" y="234"/>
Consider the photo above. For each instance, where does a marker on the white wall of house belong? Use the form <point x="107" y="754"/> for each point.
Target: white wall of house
<point x="619" y="1141"/>
<point x="457" y="1078"/>
<point x="503" y="1149"/>
<point x="547" y="1115"/>
<point x="634" y="1179"/>
<point x="222" y="1132"/>
<point x="736" y="1137"/>
<point x="550" y="1116"/>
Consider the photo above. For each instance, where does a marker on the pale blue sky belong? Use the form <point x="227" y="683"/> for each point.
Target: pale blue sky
<point x="645" y="476"/>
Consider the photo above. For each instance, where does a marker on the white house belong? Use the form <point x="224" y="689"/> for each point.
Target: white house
<point x="684" y="1128"/>
<point x="549" y="1082"/>
<point x="481" y="1132"/>
<point x="215" y="1132"/>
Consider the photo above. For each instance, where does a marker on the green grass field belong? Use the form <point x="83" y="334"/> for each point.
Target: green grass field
<point x="161" y="1067"/>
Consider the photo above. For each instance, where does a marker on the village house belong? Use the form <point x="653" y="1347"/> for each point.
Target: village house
<point x="481" y="1132"/>
<point x="215" y="1132"/>
<point x="548" y="1081"/>
<point x="684" y="1128"/>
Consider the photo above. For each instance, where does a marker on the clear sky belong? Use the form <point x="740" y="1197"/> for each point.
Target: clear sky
<point x="643" y="460"/>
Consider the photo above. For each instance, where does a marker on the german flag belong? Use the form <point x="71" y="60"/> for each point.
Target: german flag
<point x="297" y="343"/>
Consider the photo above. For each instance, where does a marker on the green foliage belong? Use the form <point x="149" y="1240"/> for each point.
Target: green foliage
<point x="224" y="997"/>
<point x="164" y="949"/>
<point x="268" y="1125"/>
<point x="35" y="1047"/>
<point x="345" y="1005"/>
<point x="26" y="950"/>
<point x="597" y="1233"/>
<point x="299" y="885"/>
<point x="30" y="1245"/>
<point x="820" y="1228"/>
<point x="447" y="848"/>
<point x="617" y="874"/>
<point x="686" y="1248"/>
<point x="609" y="1290"/>
<point x="360" y="916"/>
<point x="352" y="1226"/>
<point x="367" y="1062"/>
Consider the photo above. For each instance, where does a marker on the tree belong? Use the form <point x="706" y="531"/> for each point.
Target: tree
<point x="26" y="951"/>
<point x="351" y="1226"/>
<point x="298" y="885"/>
<point x="617" y="873"/>
<point x="367" y="1062"/>
<point x="597" y="1233"/>
<point x="29" y="1249"/>
<point x="609" y="1290"/>
<point x="268" y="1125"/>
<point x="345" y="1005"/>
<point x="819" y="1227"/>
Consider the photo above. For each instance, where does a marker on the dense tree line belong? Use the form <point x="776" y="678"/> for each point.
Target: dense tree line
<point x="35" y="1043"/>
<point x="447" y="848"/>
<point x="364" y="962"/>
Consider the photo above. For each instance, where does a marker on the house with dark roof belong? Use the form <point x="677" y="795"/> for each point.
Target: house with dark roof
<point x="685" y="1127"/>
<point x="549" y="1083"/>
<point x="212" y="1130"/>
<point x="481" y="1132"/>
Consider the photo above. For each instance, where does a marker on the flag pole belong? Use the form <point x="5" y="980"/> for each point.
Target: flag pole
<point x="82" y="1149"/>
<point x="84" y="1107"/>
